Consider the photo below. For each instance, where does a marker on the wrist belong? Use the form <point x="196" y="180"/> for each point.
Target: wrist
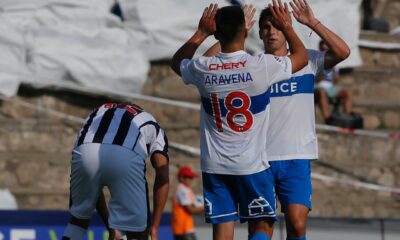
<point x="288" y="29"/>
<point x="202" y="34"/>
<point x="313" y="23"/>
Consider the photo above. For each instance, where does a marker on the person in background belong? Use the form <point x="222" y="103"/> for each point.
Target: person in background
<point x="328" y="87"/>
<point x="184" y="205"/>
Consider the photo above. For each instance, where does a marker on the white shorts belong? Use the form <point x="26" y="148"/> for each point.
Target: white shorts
<point x="96" y="165"/>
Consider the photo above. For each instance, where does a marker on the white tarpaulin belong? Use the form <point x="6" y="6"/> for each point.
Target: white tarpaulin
<point x="163" y="26"/>
<point x="66" y="40"/>
<point x="83" y="43"/>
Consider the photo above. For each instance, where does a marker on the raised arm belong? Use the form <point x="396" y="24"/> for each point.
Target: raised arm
<point x="283" y="21"/>
<point x="338" y="49"/>
<point x="249" y="12"/>
<point x="160" y="191"/>
<point x="206" y="28"/>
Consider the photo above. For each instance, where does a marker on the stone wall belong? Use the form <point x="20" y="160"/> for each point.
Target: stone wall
<point x="35" y="147"/>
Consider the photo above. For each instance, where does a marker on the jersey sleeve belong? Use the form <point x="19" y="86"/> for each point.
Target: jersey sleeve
<point x="183" y="196"/>
<point x="159" y="144"/>
<point x="279" y="68"/>
<point x="316" y="61"/>
<point x="188" y="71"/>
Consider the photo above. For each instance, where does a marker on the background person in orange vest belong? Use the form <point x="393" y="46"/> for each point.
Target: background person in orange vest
<point x="184" y="206"/>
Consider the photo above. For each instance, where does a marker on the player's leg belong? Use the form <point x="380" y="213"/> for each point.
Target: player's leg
<point x="223" y="231"/>
<point x="323" y="102"/>
<point x="260" y="230"/>
<point x="257" y="203"/>
<point x="123" y="174"/>
<point x="347" y="100"/>
<point x="220" y="206"/>
<point x="296" y="221"/>
<point x="84" y="190"/>
<point x="294" y="190"/>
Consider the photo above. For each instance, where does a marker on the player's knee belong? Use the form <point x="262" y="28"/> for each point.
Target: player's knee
<point x="298" y="227"/>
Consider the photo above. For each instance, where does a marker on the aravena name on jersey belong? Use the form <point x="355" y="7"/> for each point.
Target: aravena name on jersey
<point x="232" y="78"/>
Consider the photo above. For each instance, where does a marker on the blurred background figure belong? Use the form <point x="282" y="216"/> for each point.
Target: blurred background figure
<point x="373" y="20"/>
<point x="184" y="205"/>
<point x="328" y="89"/>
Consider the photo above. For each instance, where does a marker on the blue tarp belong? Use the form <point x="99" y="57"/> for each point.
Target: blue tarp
<point x="50" y="225"/>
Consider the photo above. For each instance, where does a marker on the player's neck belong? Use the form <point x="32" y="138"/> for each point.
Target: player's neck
<point x="279" y="52"/>
<point x="232" y="47"/>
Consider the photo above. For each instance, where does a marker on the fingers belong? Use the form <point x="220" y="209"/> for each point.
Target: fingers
<point x="204" y="13"/>
<point x="286" y="8"/>
<point x="249" y="11"/>
<point x="294" y="7"/>
<point x="211" y="11"/>
<point x="303" y="3"/>
<point x="280" y="4"/>
<point x="273" y="11"/>
<point x="300" y="4"/>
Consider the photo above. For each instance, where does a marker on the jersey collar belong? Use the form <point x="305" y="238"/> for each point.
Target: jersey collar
<point x="231" y="54"/>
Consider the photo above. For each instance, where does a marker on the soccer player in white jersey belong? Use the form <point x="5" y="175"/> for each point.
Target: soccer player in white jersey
<point x="234" y="117"/>
<point x="291" y="136"/>
<point x="111" y="150"/>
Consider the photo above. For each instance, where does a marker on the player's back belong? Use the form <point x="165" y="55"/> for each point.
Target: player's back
<point x="234" y="114"/>
<point x="126" y="125"/>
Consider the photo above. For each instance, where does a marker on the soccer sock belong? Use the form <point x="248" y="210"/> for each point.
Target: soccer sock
<point x="73" y="232"/>
<point x="259" y="236"/>
<point x="296" y="238"/>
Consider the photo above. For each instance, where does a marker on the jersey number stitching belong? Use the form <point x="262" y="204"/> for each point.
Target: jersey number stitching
<point x="233" y="111"/>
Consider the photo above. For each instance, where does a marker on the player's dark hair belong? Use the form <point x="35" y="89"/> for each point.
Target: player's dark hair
<point x="264" y="15"/>
<point x="229" y="20"/>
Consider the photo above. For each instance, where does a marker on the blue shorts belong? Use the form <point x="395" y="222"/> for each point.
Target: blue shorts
<point x="229" y="197"/>
<point x="292" y="182"/>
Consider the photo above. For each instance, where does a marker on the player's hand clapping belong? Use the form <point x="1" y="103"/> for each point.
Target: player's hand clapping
<point x="249" y="11"/>
<point x="207" y="24"/>
<point x="303" y="12"/>
<point x="281" y="15"/>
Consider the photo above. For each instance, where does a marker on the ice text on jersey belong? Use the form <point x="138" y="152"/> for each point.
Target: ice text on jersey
<point x="284" y="87"/>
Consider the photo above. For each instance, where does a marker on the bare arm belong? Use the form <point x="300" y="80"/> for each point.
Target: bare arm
<point x="338" y="49"/>
<point x="193" y="209"/>
<point x="160" y="191"/>
<point x="283" y="22"/>
<point x="206" y="28"/>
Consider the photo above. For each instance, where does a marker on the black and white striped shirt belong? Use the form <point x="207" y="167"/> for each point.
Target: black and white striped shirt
<point x="126" y="125"/>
